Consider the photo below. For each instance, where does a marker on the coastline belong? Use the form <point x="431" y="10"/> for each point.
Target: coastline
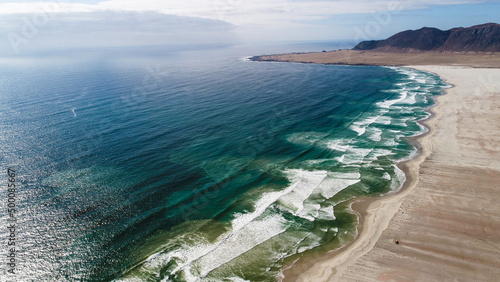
<point x="379" y="58"/>
<point x="368" y="210"/>
<point x="373" y="255"/>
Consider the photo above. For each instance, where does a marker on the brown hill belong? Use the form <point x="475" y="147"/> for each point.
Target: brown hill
<point x="479" y="38"/>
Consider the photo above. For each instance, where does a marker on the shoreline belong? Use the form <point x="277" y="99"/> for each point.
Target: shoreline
<point x="366" y="209"/>
<point x="373" y="255"/>
<point x="379" y="58"/>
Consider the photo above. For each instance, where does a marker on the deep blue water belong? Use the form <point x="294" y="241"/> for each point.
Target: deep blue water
<point x="197" y="164"/>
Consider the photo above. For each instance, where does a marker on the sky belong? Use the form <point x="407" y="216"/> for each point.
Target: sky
<point x="26" y="24"/>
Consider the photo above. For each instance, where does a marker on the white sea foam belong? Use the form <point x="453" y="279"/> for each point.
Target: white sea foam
<point x="376" y="134"/>
<point x="306" y="138"/>
<point x="236" y="279"/>
<point x="340" y="159"/>
<point x="355" y="155"/>
<point x="326" y="213"/>
<point x="326" y="184"/>
<point x="197" y="257"/>
<point x="293" y="198"/>
<point x="248" y="230"/>
<point x="267" y="199"/>
<point x="400" y="121"/>
<point x="402" y="83"/>
<point x="318" y="161"/>
<point x="310" y="211"/>
<point x="409" y="99"/>
<point x="400" y="178"/>
<point x="362" y="123"/>
<point x="375" y="153"/>
<point x="329" y="187"/>
<point x="386" y="176"/>
<point x="131" y="279"/>
<point x="358" y="127"/>
<point x="338" y="146"/>
<point x="390" y="142"/>
<point x="337" y="182"/>
<point x="388" y="103"/>
<point x="386" y="120"/>
<point x="305" y="182"/>
<point x="253" y="234"/>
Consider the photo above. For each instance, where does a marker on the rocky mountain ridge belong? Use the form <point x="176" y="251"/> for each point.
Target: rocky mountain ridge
<point x="478" y="38"/>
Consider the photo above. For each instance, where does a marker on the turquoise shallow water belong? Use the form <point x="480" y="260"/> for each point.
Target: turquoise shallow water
<point x="197" y="165"/>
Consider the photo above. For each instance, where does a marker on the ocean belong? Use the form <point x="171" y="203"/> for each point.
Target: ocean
<point x="194" y="163"/>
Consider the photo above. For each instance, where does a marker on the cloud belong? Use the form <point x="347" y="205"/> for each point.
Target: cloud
<point x="238" y="12"/>
<point x="147" y="22"/>
<point x="45" y="30"/>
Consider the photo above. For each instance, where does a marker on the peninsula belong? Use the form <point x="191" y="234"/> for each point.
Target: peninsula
<point x="476" y="46"/>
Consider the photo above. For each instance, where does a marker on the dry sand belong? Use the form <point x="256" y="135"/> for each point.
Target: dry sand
<point x="447" y="219"/>
<point x="351" y="57"/>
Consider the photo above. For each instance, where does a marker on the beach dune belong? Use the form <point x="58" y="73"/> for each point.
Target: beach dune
<point x="445" y="225"/>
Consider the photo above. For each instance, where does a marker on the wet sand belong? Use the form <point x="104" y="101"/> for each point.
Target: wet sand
<point x="447" y="218"/>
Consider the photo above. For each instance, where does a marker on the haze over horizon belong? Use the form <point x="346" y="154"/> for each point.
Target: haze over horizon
<point x="32" y="25"/>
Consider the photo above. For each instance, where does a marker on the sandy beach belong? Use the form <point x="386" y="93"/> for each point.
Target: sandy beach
<point x="374" y="58"/>
<point x="446" y="219"/>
